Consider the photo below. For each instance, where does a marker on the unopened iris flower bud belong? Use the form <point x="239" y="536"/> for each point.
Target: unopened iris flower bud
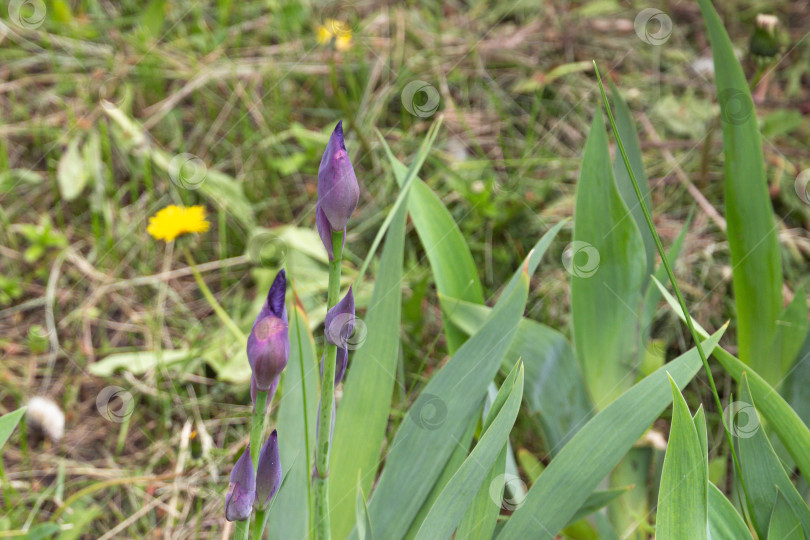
<point x="242" y="489"/>
<point x="268" y="346"/>
<point x="339" y="321"/>
<point x="338" y="191"/>
<point x="268" y="475"/>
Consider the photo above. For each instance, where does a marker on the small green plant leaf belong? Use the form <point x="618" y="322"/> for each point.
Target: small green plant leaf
<point x="71" y="173"/>
<point x="361" y="513"/>
<point x="725" y="523"/>
<point x="784" y="524"/>
<point x="7" y="424"/>
<point x="683" y="495"/>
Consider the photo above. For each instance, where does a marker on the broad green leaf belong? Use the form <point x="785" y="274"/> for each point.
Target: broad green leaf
<point x="361" y="514"/>
<point x="780" y="416"/>
<point x="554" y="386"/>
<point x="752" y="235"/>
<point x="627" y="131"/>
<point x="576" y="471"/>
<point x="596" y="501"/>
<point x="450" y="259"/>
<point x="362" y="416"/>
<point x="724" y="521"/>
<point x="632" y="510"/>
<point x="457" y="495"/>
<point x="481" y="517"/>
<point x="762" y="471"/>
<point x="791" y="329"/>
<point x="289" y="515"/>
<point x="71" y="174"/>
<point x="683" y="496"/>
<point x="451" y="400"/>
<point x="7" y="424"/>
<point x="784" y="524"/>
<point x="607" y="263"/>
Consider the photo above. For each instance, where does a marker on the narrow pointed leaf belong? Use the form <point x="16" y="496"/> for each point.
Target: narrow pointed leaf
<point x="576" y="471"/>
<point x="724" y="521"/>
<point x="7" y="424"/>
<point x="784" y="524"/>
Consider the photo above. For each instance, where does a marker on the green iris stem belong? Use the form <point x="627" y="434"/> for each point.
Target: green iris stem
<point x="257" y="427"/>
<point x="320" y="479"/>
<point x="670" y="273"/>
<point x="241" y="532"/>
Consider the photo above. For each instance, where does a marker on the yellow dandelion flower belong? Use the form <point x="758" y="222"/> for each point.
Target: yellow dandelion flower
<point x="174" y="221"/>
<point x="338" y="31"/>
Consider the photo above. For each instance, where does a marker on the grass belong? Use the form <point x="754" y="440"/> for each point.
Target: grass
<point x="246" y="88"/>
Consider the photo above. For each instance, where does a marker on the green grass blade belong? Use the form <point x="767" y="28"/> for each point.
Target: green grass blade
<point x="481" y="517"/>
<point x="762" y="471"/>
<point x="7" y="424"/>
<point x="608" y="269"/>
<point x="457" y="391"/>
<point x="362" y="416"/>
<point x="725" y="523"/>
<point x="361" y="515"/>
<point x="780" y="416"/>
<point x="627" y="131"/>
<point x="459" y="493"/>
<point x="289" y="514"/>
<point x="683" y="496"/>
<point x="791" y="330"/>
<point x="752" y="235"/>
<point x="450" y="259"/>
<point x="576" y="471"/>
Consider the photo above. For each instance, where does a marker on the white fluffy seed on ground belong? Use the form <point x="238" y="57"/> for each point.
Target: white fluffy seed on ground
<point x="46" y="415"/>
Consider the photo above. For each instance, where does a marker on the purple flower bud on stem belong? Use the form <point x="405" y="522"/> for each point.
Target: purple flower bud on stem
<point x="268" y="476"/>
<point x="242" y="489"/>
<point x="268" y="346"/>
<point x="339" y="321"/>
<point x="325" y="231"/>
<point x="338" y="191"/>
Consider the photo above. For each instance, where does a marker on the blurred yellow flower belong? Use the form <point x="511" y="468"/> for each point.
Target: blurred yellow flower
<point x="337" y="30"/>
<point x="174" y="221"/>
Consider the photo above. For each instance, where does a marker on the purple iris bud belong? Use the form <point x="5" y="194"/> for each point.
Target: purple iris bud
<point x="341" y="362"/>
<point x="268" y="346"/>
<point x="325" y="231"/>
<point x="242" y="489"/>
<point x="254" y="390"/>
<point x="338" y="191"/>
<point x="268" y="476"/>
<point x="339" y="321"/>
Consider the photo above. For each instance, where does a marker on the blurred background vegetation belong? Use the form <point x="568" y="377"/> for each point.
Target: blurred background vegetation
<point x="110" y="111"/>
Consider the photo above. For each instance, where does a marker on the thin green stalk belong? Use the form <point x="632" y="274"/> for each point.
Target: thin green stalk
<point x="670" y="273"/>
<point x="327" y="401"/>
<point x="212" y="301"/>
<point x="260" y="523"/>
<point x="241" y="532"/>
